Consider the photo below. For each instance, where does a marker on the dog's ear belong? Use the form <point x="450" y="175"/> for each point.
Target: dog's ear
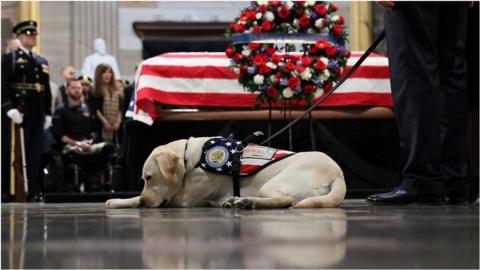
<point x="168" y="163"/>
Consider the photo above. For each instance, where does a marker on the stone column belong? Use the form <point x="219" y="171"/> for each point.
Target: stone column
<point x="360" y="25"/>
<point x="91" y="20"/>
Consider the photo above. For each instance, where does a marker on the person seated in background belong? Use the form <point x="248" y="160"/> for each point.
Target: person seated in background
<point x="73" y="129"/>
<point x="73" y="124"/>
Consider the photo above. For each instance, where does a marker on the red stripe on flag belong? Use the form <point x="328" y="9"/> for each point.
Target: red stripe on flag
<point x="369" y="72"/>
<point x="279" y="154"/>
<point x="247" y="169"/>
<point x="196" y="99"/>
<point x="148" y="95"/>
<point x="358" y="99"/>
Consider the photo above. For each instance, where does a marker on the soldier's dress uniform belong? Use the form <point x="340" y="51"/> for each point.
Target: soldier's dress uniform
<point x="25" y="86"/>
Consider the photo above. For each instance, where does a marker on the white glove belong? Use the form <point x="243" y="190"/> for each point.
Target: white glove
<point x="15" y="115"/>
<point x="48" y="122"/>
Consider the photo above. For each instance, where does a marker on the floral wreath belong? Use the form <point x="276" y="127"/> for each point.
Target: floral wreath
<point x="278" y="75"/>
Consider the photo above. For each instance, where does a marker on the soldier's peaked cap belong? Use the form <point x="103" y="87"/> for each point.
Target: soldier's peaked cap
<point x="26" y="27"/>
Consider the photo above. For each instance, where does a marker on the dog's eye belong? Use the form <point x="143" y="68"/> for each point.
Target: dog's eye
<point x="148" y="177"/>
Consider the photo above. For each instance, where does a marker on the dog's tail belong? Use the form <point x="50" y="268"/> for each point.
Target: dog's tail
<point x="332" y="199"/>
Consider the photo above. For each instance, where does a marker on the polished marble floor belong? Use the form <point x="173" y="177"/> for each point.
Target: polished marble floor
<point x="356" y="235"/>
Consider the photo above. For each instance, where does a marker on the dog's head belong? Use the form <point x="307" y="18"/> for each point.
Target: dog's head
<point x="163" y="173"/>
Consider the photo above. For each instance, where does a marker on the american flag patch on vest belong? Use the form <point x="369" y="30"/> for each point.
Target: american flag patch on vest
<point x="217" y="156"/>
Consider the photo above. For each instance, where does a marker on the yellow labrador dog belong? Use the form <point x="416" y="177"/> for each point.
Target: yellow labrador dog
<point x="172" y="179"/>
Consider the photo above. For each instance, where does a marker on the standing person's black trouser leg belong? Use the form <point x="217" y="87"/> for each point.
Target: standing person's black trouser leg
<point x="418" y="44"/>
<point x="453" y="82"/>
<point x="33" y="130"/>
<point x="412" y="33"/>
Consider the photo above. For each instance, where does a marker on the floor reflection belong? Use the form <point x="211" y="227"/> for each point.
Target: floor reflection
<point x="354" y="236"/>
<point x="244" y="239"/>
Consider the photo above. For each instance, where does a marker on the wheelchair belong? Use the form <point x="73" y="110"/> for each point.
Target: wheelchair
<point x="79" y="172"/>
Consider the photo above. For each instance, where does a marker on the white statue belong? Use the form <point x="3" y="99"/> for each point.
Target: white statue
<point x="99" y="57"/>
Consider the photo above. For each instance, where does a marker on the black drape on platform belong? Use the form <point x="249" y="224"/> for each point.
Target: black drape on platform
<point x="367" y="150"/>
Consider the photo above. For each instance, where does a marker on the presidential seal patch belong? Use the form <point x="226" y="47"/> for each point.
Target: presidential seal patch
<point x="217" y="156"/>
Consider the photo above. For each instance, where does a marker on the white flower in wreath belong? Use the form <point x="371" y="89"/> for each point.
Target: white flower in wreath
<point x="269" y="16"/>
<point x="289" y="4"/>
<point x="310" y="3"/>
<point x="287" y="92"/>
<point x="310" y="31"/>
<point x="318" y="93"/>
<point x="325" y="31"/>
<point x="262" y="2"/>
<point x="258" y="79"/>
<point x="246" y="52"/>
<point x="295" y="23"/>
<point x="259" y="15"/>
<point x="335" y="18"/>
<point x="325" y="75"/>
<point x="324" y="60"/>
<point x="236" y="70"/>
<point x="272" y="78"/>
<point x="271" y="65"/>
<point x="306" y="74"/>
<point x="319" y="23"/>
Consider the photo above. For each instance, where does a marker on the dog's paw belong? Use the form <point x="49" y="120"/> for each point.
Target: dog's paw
<point x="243" y="203"/>
<point x="112" y="203"/>
<point x="228" y="202"/>
<point x="238" y="202"/>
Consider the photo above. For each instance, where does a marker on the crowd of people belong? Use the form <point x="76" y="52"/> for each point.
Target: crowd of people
<point x="82" y="114"/>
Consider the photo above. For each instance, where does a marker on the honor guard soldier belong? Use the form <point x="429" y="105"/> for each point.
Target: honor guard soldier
<point x="26" y="101"/>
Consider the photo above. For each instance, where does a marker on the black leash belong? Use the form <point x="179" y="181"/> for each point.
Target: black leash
<point x="326" y="95"/>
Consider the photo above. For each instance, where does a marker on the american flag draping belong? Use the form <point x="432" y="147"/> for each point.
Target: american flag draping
<point x="204" y="80"/>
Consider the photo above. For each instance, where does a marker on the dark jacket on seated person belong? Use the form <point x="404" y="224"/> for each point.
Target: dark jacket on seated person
<point x="75" y="122"/>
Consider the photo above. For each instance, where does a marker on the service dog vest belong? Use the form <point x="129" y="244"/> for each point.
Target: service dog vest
<point x="218" y="154"/>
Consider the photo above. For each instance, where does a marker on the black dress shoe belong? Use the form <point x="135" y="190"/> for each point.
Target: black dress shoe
<point x="405" y="195"/>
<point x="399" y="195"/>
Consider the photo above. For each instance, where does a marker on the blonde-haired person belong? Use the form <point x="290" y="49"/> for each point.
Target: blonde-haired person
<point x="106" y="102"/>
